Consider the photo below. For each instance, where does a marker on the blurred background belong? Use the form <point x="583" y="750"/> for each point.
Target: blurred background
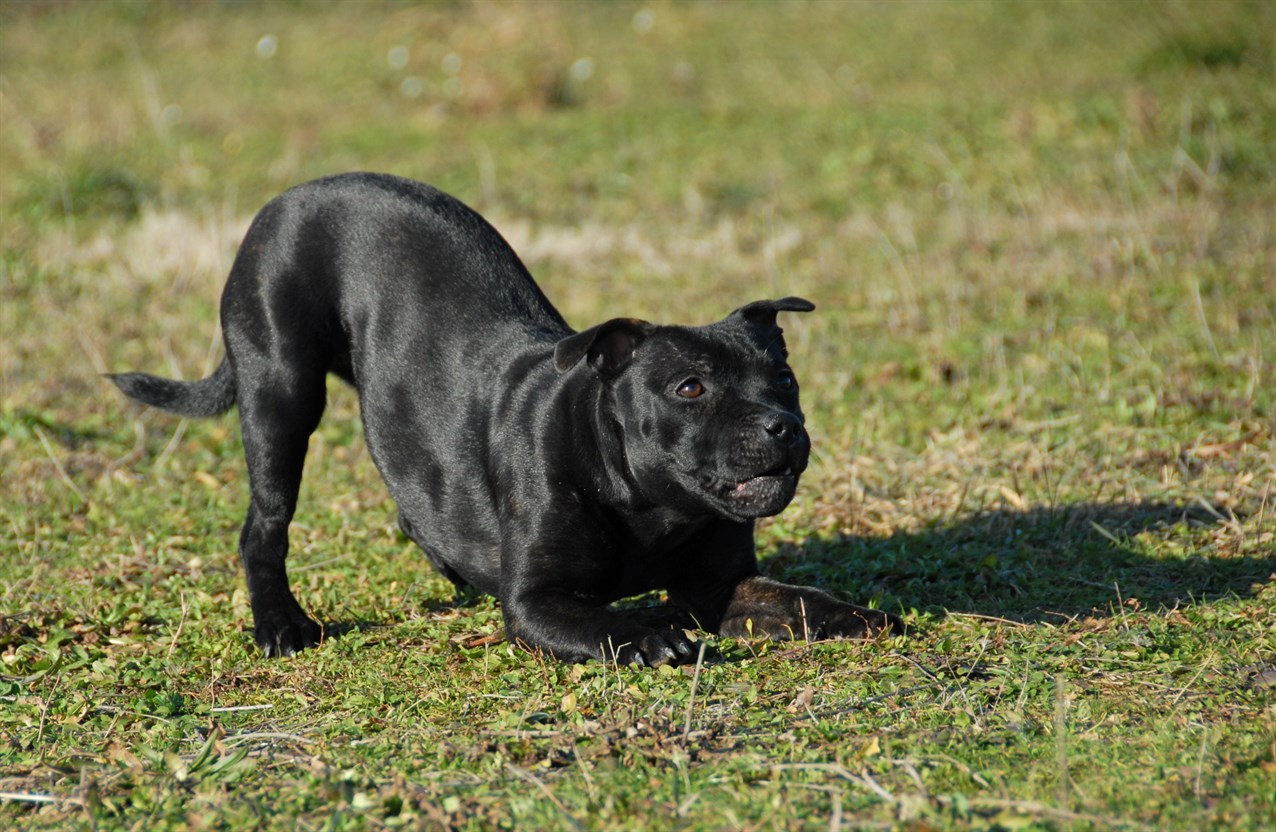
<point x="1040" y="235"/>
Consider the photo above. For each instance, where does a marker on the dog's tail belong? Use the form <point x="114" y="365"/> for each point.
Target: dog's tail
<point x="206" y="397"/>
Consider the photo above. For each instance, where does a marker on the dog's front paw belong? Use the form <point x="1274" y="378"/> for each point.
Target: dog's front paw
<point x="285" y="632"/>
<point x="654" y="648"/>
<point x="841" y="620"/>
<point x="767" y="609"/>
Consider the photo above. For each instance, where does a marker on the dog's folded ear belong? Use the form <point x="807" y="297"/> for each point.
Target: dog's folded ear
<point x="608" y="347"/>
<point x="763" y="312"/>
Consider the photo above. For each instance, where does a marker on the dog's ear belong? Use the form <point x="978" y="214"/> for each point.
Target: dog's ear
<point x="607" y="347"/>
<point x="763" y="312"/>
<point x="759" y="317"/>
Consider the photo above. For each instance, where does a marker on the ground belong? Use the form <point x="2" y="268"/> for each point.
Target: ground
<point x="1042" y="241"/>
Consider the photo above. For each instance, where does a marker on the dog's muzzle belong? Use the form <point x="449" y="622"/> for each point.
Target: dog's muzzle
<point x="771" y="456"/>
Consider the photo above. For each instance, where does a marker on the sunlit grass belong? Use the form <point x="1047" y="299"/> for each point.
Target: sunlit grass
<point x="1040" y="381"/>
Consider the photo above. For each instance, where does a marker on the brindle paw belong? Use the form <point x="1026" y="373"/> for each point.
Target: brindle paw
<point x="851" y="621"/>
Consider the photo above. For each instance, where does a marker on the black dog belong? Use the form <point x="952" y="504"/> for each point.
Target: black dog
<point x="556" y="470"/>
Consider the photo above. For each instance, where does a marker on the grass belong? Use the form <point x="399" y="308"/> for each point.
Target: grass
<point x="1040" y="380"/>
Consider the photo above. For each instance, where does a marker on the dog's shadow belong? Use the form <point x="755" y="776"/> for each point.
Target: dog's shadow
<point x="1043" y="564"/>
<point x="1039" y="565"/>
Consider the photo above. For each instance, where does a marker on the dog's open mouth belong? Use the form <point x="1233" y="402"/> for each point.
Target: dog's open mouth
<point x="758" y="494"/>
<point x="764" y="493"/>
<point x="779" y="476"/>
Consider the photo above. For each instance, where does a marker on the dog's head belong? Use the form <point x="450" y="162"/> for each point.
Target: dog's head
<point x="709" y="416"/>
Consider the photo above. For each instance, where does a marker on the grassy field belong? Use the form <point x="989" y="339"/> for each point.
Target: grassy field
<point x="1042" y="241"/>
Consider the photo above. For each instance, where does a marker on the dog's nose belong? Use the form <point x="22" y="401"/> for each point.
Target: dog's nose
<point x="785" y="427"/>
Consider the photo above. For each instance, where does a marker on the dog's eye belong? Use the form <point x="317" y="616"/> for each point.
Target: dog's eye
<point x="786" y="382"/>
<point x="691" y="389"/>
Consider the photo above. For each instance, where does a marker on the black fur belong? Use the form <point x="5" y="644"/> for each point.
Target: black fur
<point x="210" y="396"/>
<point x="559" y="471"/>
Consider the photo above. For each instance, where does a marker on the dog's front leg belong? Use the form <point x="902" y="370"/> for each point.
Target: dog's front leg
<point x="718" y="583"/>
<point x="574" y="630"/>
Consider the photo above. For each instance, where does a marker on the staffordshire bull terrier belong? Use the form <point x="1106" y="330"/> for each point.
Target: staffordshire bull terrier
<point x="557" y="470"/>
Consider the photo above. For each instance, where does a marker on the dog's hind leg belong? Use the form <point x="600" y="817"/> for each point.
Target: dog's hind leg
<point x="279" y="407"/>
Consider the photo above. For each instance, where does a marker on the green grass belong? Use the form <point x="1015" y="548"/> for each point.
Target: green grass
<point x="1042" y="240"/>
